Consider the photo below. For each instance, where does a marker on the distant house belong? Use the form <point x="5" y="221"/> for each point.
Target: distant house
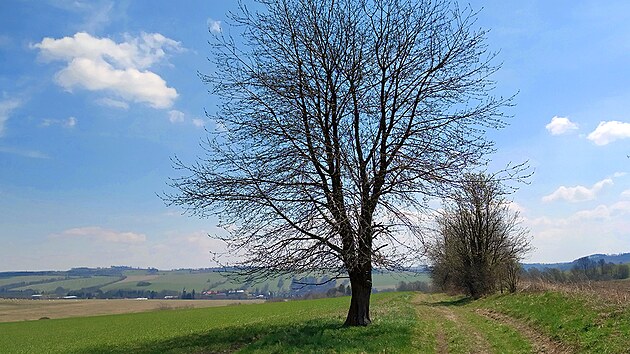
<point x="70" y="297"/>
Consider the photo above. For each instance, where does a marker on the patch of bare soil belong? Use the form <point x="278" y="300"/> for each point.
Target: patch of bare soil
<point x="440" y="338"/>
<point x="481" y="344"/>
<point x="540" y="342"/>
<point x="21" y="310"/>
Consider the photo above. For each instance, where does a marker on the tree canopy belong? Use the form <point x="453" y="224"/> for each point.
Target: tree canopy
<point x="339" y="119"/>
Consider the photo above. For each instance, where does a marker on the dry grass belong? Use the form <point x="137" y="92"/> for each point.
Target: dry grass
<point x="20" y="310"/>
<point x="613" y="292"/>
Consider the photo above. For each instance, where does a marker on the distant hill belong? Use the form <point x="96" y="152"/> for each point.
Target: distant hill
<point x="127" y="282"/>
<point x="608" y="258"/>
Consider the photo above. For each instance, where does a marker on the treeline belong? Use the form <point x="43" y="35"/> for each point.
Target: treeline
<point x="421" y="286"/>
<point x="583" y="269"/>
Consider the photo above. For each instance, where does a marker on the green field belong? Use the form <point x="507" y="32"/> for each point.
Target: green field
<point x="27" y="279"/>
<point x="70" y="284"/>
<point x="525" y="322"/>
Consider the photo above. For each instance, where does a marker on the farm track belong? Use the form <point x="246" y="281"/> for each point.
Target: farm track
<point x="454" y="327"/>
<point x="540" y="342"/>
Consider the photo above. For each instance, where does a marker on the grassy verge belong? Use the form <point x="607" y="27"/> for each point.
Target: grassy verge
<point x="577" y="321"/>
<point x="299" y="326"/>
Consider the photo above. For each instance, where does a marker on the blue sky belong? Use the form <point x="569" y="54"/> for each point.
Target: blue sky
<point x="97" y="96"/>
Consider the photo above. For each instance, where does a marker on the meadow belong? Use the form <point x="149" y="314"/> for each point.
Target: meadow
<point x="529" y="321"/>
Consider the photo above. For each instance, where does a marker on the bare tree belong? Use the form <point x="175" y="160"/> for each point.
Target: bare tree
<point x="479" y="240"/>
<point x="339" y="119"/>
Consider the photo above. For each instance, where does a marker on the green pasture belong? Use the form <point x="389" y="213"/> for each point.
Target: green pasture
<point x="27" y="279"/>
<point x="178" y="280"/>
<point x="285" y="327"/>
<point x="70" y="284"/>
<point x="389" y="280"/>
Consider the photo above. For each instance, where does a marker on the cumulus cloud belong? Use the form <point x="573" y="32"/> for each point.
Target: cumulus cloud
<point x="108" y="102"/>
<point x="602" y="229"/>
<point x="176" y="116"/>
<point x="577" y="193"/>
<point x="7" y="106"/>
<point x="100" y="64"/>
<point x="626" y="194"/>
<point x="105" y="235"/>
<point x="214" y="26"/>
<point x="607" y="132"/>
<point x="560" y="125"/>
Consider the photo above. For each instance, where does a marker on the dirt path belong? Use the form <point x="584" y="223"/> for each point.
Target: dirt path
<point x="541" y="343"/>
<point x="479" y="341"/>
<point x="462" y="328"/>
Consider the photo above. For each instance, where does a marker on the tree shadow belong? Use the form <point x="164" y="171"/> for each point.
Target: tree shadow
<point x="310" y="336"/>
<point x="457" y="302"/>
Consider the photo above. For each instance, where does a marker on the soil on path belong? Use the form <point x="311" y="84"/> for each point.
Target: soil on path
<point x="540" y="342"/>
<point x="451" y="320"/>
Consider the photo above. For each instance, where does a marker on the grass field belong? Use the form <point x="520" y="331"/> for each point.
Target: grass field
<point x="27" y="279"/>
<point x="533" y="321"/>
<point x="526" y="322"/>
<point x="71" y="284"/>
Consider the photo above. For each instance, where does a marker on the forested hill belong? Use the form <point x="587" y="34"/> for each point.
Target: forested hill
<point x="608" y="258"/>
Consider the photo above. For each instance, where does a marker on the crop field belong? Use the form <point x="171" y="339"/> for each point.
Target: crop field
<point x="526" y="322"/>
<point x="21" y="310"/>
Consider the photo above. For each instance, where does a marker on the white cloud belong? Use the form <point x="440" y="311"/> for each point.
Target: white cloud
<point x="101" y="234"/>
<point x="214" y="26"/>
<point x="626" y="194"/>
<point x="7" y="106"/>
<point x="108" y="102"/>
<point x="516" y="207"/>
<point x="100" y="64"/>
<point x="198" y="122"/>
<point x="70" y="122"/>
<point x="175" y="116"/>
<point x="577" y="193"/>
<point x="560" y="125"/>
<point x="602" y="229"/>
<point x="91" y="16"/>
<point x="25" y="153"/>
<point x="607" y="132"/>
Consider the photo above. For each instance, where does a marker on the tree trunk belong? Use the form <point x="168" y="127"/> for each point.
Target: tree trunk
<point x="359" y="312"/>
